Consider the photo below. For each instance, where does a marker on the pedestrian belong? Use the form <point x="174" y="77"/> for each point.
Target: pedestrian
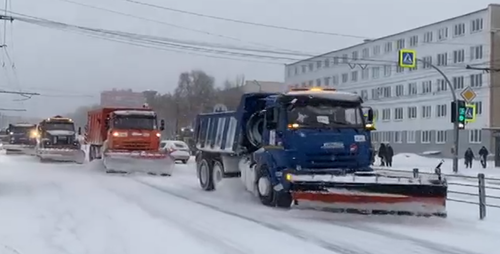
<point x="389" y="153"/>
<point x="483" y="152"/>
<point x="381" y="154"/>
<point x="468" y="157"/>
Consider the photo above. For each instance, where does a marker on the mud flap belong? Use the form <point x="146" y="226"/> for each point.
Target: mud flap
<point x="160" y="164"/>
<point x="371" y="194"/>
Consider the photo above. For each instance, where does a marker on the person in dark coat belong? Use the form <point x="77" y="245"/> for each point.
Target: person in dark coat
<point x="468" y="157"/>
<point x="381" y="154"/>
<point x="389" y="153"/>
<point x="483" y="152"/>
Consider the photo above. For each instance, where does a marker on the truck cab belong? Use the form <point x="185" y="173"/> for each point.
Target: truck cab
<point x="133" y="130"/>
<point x="57" y="132"/>
<point x="318" y="129"/>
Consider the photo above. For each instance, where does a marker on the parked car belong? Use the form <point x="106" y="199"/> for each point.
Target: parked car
<point x="179" y="150"/>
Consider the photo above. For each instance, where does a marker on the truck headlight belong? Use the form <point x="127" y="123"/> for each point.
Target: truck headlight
<point x="120" y="134"/>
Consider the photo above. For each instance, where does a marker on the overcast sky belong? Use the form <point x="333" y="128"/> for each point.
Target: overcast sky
<point x="70" y="70"/>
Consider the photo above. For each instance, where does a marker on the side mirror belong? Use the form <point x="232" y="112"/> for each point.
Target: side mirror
<point x="7" y="131"/>
<point x="368" y="114"/>
<point x="162" y="125"/>
<point x="79" y="130"/>
<point x="270" y="117"/>
<point x="106" y="123"/>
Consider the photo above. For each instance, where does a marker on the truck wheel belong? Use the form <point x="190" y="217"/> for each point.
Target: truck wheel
<point x="217" y="174"/>
<point x="267" y="195"/>
<point x="205" y="173"/>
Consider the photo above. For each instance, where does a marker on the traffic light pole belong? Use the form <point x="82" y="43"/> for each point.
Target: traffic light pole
<point x="456" y="130"/>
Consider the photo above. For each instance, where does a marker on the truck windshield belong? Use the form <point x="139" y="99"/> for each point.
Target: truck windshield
<point x="135" y="122"/>
<point x="325" y="115"/>
<point x="20" y="129"/>
<point x="59" y="126"/>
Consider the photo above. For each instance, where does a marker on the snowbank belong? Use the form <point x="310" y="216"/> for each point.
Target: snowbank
<point x="409" y="161"/>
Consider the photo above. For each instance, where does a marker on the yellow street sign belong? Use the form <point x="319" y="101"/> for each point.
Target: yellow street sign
<point x="407" y="58"/>
<point x="468" y="94"/>
<point x="470" y="113"/>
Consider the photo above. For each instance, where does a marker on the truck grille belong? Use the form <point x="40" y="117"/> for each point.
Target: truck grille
<point x="135" y="145"/>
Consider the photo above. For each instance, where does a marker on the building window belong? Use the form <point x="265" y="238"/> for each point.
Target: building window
<point x="442" y="59"/>
<point x="375" y="93"/>
<point x="459" y="56"/>
<point x="336" y="60"/>
<point x="412" y="112"/>
<point x="365" y="53"/>
<point x="425" y="137"/>
<point x="386" y="137"/>
<point x="400" y="90"/>
<point x="442" y="85"/>
<point x="475" y="136"/>
<point x="443" y="34"/>
<point x="399" y="69"/>
<point x="459" y="29"/>
<point x="311" y="66"/>
<point x="398" y="114"/>
<point x="400" y="44"/>
<point x="375" y="72"/>
<point x="476" y="52"/>
<point x="335" y="80"/>
<point x="440" y="137"/>
<point x="458" y="83"/>
<point x="387" y="70"/>
<point x="441" y="110"/>
<point x="318" y="64"/>
<point x="476" y="25"/>
<point x="364" y="95"/>
<point x="410" y="137"/>
<point x="426" y="87"/>
<point x="327" y="63"/>
<point x="412" y="88"/>
<point x="428" y="37"/>
<point x="345" y="78"/>
<point x="386" y="92"/>
<point x="318" y="82"/>
<point x="414" y="41"/>
<point x="311" y="83"/>
<point x="479" y="107"/>
<point x="304" y="68"/>
<point x="426" y="111"/>
<point x="476" y="80"/>
<point x="304" y="84"/>
<point x="355" y="55"/>
<point x="327" y="81"/>
<point x="345" y="58"/>
<point x="354" y="76"/>
<point x="365" y="73"/>
<point x="296" y="70"/>
<point x="398" y="137"/>
<point x="386" y="114"/>
<point x="427" y="61"/>
<point x="376" y="50"/>
<point x="388" y="47"/>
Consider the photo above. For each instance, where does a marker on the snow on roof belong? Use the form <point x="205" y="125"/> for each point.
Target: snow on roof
<point x="23" y="125"/>
<point x="135" y="112"/>
<point x="332" y="95"/>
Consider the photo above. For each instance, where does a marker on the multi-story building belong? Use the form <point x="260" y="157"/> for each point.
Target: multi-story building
<point x="412" y="106"/>
<point x="122" y="98"/>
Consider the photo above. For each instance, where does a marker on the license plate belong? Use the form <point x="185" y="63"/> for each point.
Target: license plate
<point x="62" y="137"/>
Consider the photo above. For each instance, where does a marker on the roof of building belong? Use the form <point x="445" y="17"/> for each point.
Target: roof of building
<point x="387" y="36"/>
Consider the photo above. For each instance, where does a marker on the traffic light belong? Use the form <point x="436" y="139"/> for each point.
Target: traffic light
<point x="461" y="113"/>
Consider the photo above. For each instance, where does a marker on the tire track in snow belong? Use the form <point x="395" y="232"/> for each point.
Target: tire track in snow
<point x="432" y="246"/>
<point x="336" y="248"/>
<point x="224" y="245"/>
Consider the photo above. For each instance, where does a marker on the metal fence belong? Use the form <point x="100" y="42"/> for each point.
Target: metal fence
<point x="479" y="185"/>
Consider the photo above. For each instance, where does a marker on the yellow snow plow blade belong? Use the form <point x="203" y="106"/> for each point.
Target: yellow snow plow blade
<point x="153" y="163"/>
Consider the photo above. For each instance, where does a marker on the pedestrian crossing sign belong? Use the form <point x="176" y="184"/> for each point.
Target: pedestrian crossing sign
<point x="407" y="58"/>
<point x="470" y="113"/>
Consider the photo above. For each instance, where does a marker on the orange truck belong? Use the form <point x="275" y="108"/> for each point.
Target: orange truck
<point x="127" y="140"/>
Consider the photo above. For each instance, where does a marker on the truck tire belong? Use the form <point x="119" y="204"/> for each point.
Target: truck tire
<point x="267" y="194"/>
<point x="205" y="175"/>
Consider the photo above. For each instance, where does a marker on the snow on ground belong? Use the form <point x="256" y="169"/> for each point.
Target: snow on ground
<point x="68" y="208"/>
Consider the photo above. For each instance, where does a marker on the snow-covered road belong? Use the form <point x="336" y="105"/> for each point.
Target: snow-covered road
<point x="66" y="208"/>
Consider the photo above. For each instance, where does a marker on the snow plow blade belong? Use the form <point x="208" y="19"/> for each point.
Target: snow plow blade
<point x="152" y="163"/>
<point x="61" y="155"/>
<point x="370" y="193"/>
<point x="18" y="149"/>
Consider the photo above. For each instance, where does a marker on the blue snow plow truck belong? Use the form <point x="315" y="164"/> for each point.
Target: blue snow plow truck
<point x="308" y="148"/>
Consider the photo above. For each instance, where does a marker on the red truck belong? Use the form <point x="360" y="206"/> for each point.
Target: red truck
<point x="127" y="140"/>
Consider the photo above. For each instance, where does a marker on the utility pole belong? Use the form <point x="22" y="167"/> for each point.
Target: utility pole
<point x="408" y="59"/>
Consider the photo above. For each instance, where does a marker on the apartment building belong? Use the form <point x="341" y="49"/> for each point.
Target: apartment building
<point x="412" y="106"/>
